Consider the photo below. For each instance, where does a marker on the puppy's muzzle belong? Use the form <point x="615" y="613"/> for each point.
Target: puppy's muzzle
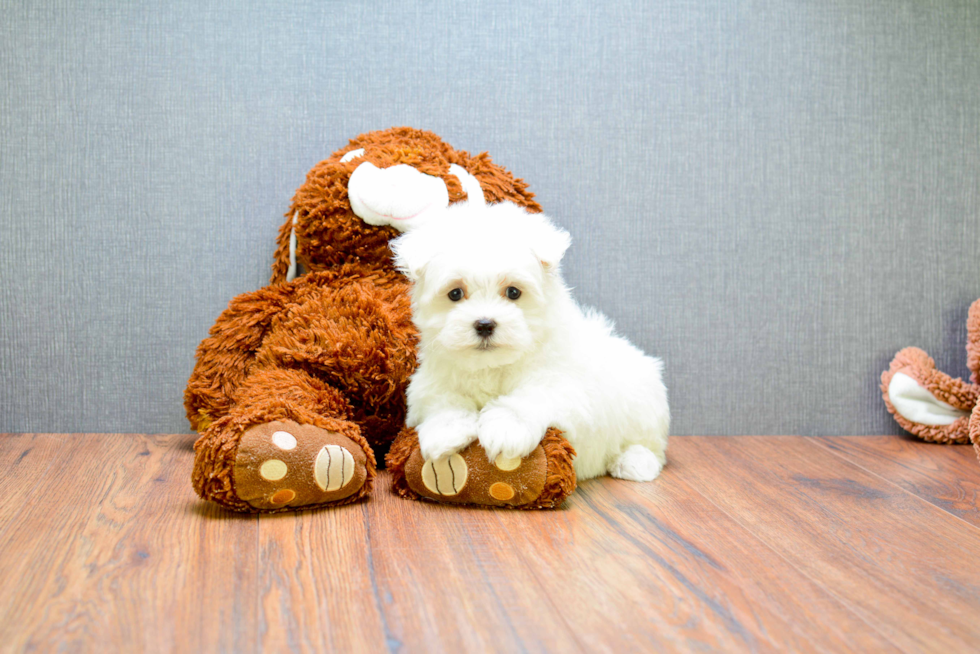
<point x="484" y="327"/>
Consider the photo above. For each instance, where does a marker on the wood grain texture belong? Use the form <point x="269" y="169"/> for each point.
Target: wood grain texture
<point x="680" y="575"/>
<point x="901" y="564"/>
<point x="112" y="547"/>
<point x="945" y="475"/>
<point x="743" y="544"/>
<point x="315" y="589"/>
<point x="451" y="580"/>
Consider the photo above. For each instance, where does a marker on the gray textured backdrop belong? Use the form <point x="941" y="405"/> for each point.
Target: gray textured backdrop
<point x="772" y="196"/>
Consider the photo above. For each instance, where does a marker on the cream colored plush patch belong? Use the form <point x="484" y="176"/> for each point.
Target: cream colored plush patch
<point x="445" y="476"/>
<point x="334" y="467"/>
<point x="916" y="404"/>
<point x="273" y="470"/>
<point x="284" y="440"/>
<point x="506" y="464"/>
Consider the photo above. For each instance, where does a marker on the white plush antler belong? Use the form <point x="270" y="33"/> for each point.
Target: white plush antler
<point x="474" y="192"/>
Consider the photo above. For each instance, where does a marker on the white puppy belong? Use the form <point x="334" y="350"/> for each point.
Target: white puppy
<point x="505" y="352"/>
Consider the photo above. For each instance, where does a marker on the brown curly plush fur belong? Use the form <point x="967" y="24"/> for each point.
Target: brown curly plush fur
<point x="333" y="348"/>
<point x="957" y="393"/>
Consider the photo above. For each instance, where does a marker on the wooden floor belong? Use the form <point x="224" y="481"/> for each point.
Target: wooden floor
<point x="863" y="544"/>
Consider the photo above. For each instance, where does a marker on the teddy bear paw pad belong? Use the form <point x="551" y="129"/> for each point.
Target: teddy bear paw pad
<point x="468" y="477"/>
<point x="445" y="476"/>
<point x="284" y="464"/>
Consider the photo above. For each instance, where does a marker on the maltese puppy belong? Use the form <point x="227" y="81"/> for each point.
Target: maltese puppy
<point x="505" y="352"/>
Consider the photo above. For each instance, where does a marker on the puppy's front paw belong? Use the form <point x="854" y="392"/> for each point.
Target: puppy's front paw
<point x="443" y="435"/>
<point x="503" y="433"/>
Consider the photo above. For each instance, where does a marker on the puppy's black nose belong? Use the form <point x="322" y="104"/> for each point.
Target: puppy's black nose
<point x="484" y="327"/>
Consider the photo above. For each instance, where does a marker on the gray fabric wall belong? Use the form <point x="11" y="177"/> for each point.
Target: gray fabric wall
<point x="772" y="196"/>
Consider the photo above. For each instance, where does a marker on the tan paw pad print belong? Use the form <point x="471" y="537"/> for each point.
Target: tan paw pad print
<point x="445" y="476"/>
<point x="334" y="468"/>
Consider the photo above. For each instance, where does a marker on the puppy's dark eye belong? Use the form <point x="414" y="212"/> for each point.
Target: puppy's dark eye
<point x="513" y="292"/>
<point x="456" y="294"/>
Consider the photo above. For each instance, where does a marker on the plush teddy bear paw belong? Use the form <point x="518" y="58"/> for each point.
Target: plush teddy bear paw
<point x="543" y="479"/>
<point x="283" y="464"/>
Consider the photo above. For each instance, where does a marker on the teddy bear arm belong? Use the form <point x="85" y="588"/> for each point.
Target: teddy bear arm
<point x="224" y="357"/>
<point x="355" y="335"/>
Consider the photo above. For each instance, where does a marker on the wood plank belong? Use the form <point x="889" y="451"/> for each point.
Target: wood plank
<point x="743" y="544"/>
<point x="945" y="475"/>
<point x="449" y="581"/>
<point x="114" y="551"/>
<point x="315" y="584"/>
<point x="657" y="567"/>
<point x="902" y="564"/>
<point x="28" y="461"/>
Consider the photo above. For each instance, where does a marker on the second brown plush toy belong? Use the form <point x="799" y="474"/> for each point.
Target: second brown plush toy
<point x="931" y="404"/>
<point x="300" y="386"/>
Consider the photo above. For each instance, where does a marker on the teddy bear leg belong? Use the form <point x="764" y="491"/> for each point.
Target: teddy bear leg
<point x="542" y="480"/>
<point x="288" y="443"/>
<point x="927" y="403"/>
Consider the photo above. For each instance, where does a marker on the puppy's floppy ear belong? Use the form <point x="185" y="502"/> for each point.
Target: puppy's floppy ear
<point x="547" y="241"/>
<point x="411" y="254"/>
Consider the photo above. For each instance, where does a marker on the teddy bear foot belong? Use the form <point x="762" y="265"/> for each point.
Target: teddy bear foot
<point x="541" y="480"/>
<point x="284" y="465"/>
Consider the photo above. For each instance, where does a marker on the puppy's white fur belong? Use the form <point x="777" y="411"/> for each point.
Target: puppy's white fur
<point x="547" y="363"/>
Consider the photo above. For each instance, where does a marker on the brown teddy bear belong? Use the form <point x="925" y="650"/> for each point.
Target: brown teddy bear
<point x="930" y="404"/>
<point x="301" y="384"/>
